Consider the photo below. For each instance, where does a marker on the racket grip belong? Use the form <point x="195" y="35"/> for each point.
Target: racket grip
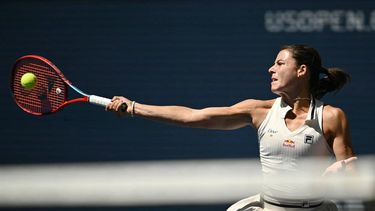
<point x="103" y="101"/>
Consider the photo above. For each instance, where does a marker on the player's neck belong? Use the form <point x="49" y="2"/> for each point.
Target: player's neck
<point x="298" y="101"/>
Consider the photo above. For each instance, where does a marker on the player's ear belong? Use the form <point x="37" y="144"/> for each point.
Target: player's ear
<point x="302" y="70"/>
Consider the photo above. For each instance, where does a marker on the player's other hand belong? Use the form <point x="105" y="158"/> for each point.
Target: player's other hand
<point x="339" y="166"/>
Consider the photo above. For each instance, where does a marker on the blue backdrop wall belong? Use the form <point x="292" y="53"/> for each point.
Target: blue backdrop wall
<point x="192" y="53"/>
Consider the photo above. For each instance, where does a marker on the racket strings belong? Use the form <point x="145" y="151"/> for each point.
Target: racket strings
<point x="48" y="94"/>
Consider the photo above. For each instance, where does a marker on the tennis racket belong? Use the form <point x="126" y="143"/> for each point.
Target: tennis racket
<point x="50" y="93"/>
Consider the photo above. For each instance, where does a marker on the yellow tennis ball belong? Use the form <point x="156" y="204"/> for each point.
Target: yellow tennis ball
<point x="28" y="81"/>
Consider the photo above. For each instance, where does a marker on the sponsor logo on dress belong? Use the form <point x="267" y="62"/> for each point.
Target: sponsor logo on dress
<point x="289" y="143"/>
<point x="309" y="139"/>
<point x="271" y="132"/>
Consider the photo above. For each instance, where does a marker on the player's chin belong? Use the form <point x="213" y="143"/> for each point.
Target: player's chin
<point x="275" y="89"/>
<point x="278" y="88"/>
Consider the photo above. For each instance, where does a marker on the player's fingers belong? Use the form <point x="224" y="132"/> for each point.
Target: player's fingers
<point x="115" y="98"/>
<point x="113" y="104"/>
<point x="349" y="160"/>
<point x="108" y="106"/>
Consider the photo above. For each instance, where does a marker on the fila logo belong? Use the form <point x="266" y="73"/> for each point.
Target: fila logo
<point x="309" y="139"/>
<point x="289" y="143"/>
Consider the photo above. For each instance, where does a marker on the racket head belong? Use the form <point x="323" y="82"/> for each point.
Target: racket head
<point x="51" y="89"/>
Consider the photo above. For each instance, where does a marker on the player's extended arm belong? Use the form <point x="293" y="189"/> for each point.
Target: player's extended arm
<point x="222" y="118"/>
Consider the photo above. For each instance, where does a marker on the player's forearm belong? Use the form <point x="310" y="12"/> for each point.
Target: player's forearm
<point x="171" y="114"/>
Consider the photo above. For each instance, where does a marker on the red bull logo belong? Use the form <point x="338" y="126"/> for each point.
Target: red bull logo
<point x="289" y="143"/>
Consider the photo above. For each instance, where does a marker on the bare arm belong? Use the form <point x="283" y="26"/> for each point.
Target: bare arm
<point x="336" y="130"/>
<point x="223" y="118"/>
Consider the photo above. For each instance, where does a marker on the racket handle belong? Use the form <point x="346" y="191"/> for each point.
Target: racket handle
<point x="102" y="101"/>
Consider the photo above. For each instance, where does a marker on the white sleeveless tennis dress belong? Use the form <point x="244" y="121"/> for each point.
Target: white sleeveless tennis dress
<point x="282" y="153"/>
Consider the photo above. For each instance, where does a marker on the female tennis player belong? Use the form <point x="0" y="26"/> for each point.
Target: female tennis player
<point x="292" y="127"/>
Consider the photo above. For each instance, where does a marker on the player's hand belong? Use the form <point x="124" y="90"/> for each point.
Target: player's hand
<point x="117" y="104"/>
<point x="338" y="166"/>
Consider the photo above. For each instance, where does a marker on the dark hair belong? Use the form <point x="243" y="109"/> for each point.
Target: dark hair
<point x="322" y="80"/>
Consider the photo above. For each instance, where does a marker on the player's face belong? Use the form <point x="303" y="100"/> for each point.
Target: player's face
<point x="283" y="73"/>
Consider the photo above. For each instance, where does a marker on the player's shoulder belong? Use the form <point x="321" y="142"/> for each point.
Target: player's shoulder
<point x="256" y="103"/>
<point x="257" y="109"/>
<point x="332" y="113"/>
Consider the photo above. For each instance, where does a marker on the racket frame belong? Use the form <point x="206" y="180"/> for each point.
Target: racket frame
<point x="94" y="99"/>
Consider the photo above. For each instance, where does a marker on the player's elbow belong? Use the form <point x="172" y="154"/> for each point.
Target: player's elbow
<point x="215" y="118"/>
<point x="196" y="119"/>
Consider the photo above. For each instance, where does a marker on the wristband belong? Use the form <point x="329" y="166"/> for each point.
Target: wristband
<point x="132" y="107"/>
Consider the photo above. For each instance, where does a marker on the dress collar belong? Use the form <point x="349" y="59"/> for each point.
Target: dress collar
<point x="284" y="108"/>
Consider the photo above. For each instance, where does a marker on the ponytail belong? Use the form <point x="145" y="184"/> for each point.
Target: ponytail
<point x="333" y="80"/>
<point x="322" y="80"/>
